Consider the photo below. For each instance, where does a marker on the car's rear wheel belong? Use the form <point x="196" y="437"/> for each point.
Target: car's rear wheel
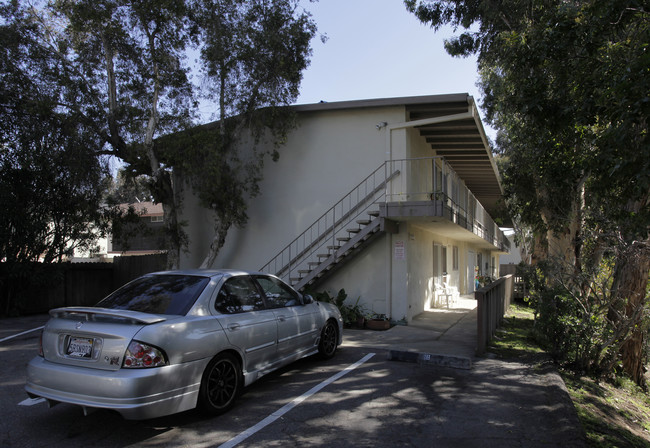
<point x="329" y="339"/>
<point x="221" y="384"/>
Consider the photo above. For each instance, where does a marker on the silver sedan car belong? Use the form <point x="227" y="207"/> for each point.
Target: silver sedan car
<point x="172" y="341"/>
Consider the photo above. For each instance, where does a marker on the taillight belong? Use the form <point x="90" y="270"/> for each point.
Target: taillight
<point x="40" y="345"/>
<point x="142" y="356"/>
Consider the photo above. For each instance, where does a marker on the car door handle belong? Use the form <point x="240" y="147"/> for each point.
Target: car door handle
<point x="233" y="327"/>
<point x="282" y="318"/>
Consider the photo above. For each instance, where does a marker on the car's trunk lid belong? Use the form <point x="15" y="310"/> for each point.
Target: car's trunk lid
<point x="92" y="337"/>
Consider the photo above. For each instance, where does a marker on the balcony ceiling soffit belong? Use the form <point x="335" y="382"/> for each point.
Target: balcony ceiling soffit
<point x="464" y="146"/>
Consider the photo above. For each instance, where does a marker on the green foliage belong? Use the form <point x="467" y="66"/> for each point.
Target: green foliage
<point x="567" y="88"/>
<point x="515" y="337"/>
<point x="126" y="188"/>
<point x="50" y="177"/>
<point x="566" y="85"/>
<point x="612" y="413"/>
<point x="118" y="72"/>
<point x="580" y="319"/>
<point x="350" y="313"/>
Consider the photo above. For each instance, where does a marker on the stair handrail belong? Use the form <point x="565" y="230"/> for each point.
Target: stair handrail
<point x="330" y="230"/>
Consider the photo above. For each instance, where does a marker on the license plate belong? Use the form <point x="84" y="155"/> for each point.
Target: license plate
<point x="80" y="348"/>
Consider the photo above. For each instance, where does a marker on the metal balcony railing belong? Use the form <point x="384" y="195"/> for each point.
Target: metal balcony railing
<point x="325" y="234"/>
<point x="433" y="179"/>
<point x="407" y="180"/>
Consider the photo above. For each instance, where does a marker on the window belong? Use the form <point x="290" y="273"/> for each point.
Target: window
<point x="157" y="218"/>
<point x="158" y="294"/>
<point x="238" y="295"/>
<point x="278" y="295"/>
<point x="454" y="258"/>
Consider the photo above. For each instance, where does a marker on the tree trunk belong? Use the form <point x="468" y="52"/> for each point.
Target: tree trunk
<point x="630" y="283"/>
<point x="219" y="239"/>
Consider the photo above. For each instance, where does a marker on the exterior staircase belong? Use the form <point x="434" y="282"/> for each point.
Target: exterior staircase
<point x="339" y="234"/>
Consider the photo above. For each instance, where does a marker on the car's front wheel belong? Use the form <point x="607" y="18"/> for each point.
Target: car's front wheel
<point x="329" y="339"/>
<point x="220" y="385"/>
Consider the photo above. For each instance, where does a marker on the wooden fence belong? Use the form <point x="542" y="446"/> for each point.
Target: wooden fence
<point x="493" y="301"/>
<point x="71" y="284"/>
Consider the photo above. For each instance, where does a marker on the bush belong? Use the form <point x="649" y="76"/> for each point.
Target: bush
<point x="579" y="321"/>
<point x="351" y="314"/>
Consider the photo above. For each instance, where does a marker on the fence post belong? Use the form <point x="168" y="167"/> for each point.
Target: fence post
<point x="492" y="303"/>
<point x="481" y="316"/>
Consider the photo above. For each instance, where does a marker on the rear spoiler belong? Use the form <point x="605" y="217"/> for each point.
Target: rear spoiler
<point x="92" y="314"/>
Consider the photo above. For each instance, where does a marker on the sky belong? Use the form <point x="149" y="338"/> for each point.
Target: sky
<point x="377" y="49"/>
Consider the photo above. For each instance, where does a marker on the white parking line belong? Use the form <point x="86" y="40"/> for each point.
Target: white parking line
<point x="287" y="407"/>
<point x="20" y="334"/>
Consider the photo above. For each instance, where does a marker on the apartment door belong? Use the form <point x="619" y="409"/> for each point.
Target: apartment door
<point x="471" y="265"/>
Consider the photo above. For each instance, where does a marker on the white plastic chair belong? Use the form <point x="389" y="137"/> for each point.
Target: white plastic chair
<point x="443" y="291"/>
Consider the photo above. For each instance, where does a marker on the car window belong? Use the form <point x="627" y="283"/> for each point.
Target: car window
<point x="278" y="294"/>
<point x="158" y="294"/>
<point x="238" y="295"/>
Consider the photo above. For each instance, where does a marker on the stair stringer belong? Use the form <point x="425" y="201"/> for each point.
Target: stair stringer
<point x="345" y="253"/>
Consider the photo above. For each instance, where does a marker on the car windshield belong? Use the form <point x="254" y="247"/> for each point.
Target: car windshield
<point x="157" y="294"/>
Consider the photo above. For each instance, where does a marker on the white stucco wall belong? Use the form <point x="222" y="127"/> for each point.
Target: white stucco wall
<point x="365" y="276"/>
<point x="328" y="155"/>
<point x="325" y="158"/>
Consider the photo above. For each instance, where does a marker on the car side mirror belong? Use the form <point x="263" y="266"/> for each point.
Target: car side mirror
<point x="307" y="299"/>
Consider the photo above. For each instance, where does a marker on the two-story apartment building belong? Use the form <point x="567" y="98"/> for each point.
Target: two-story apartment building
<point x="390" y="199"/>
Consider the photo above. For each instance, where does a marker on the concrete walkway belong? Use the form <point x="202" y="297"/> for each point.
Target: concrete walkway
<point x="491" y="402"/>
<point x="448" y="336"/>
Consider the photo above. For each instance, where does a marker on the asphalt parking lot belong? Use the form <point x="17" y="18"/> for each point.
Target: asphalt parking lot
<point x="358" y="398"/>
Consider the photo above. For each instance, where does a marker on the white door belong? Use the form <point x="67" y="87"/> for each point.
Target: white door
<point x="471" y="264"/>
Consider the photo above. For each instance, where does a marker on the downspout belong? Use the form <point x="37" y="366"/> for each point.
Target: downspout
<point x="471" y="113"/>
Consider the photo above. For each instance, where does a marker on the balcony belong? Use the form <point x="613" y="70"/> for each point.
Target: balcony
<point x="429" y="191"/>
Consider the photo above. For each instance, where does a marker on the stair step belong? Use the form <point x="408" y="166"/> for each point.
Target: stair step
<point x="374" y="213"/>
<point x="344" y="239"/>
<point x="363" y="222"/>
<point x="333" y="247"/>
<point x="304" y="271"/>
<point x="324" y="255"/>
<point x="313" y="263"/>
<point x="353" y="230"/>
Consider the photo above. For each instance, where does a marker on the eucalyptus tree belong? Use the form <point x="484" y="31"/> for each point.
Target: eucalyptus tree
<point x="126" y="72"/>
<point x="566" y="85"/>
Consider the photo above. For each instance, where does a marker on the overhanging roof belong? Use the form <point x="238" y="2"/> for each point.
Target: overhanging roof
<point x="463" y="143"/>
<point x="458" y="136"/>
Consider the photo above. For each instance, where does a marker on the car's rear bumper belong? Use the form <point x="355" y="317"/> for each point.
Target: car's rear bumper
<point x="134" y="393"/>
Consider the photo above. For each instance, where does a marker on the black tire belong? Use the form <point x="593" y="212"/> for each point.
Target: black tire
<point x="221" y="384"/>
<point x="329" y="339"/>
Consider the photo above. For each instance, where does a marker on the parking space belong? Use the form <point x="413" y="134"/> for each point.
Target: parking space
<point x="17" y="327"/>
<point x="306" y="394"/>
<point x="312" y="403"/>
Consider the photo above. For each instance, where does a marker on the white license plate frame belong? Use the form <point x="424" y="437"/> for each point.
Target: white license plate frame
<point x="80" y="347"/>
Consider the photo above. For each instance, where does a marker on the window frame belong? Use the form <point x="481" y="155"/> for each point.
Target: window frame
<point x="276" y="281"/>
<point x="255" y="287"/>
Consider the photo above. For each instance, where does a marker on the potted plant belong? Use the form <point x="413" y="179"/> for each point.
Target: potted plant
<point x="378" y="322"/>
<point x="352" y="315"/>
